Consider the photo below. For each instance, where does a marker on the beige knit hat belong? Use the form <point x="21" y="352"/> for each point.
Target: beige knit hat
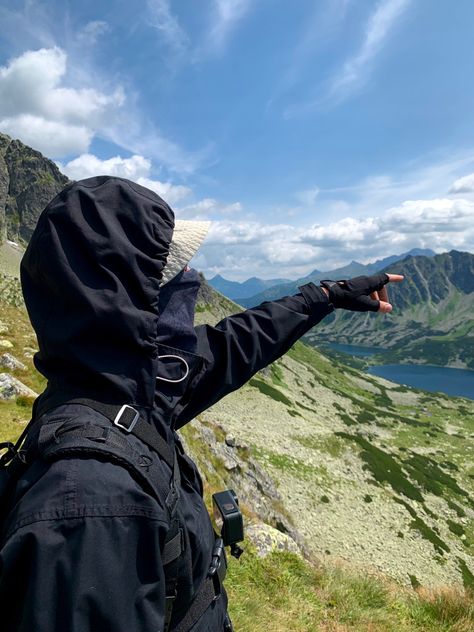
<point x="187" y="237"/>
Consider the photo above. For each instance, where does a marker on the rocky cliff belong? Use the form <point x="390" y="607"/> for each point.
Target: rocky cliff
<point x="28" y="181"/>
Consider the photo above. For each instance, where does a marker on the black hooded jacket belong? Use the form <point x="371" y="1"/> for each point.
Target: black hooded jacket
<point x="83" y="543"/>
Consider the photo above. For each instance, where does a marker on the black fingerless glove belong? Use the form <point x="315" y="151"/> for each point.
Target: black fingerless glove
<point x="354" y="293"/>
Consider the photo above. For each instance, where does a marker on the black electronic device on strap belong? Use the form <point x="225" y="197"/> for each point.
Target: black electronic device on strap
<point x="228" y="519"/>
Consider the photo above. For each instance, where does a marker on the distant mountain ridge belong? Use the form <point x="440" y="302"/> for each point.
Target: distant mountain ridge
<point x="235" y="290"/>
<point x="352" y="269"/>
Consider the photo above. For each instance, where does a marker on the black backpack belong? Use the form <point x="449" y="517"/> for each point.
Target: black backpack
<point x="109" y="440"/>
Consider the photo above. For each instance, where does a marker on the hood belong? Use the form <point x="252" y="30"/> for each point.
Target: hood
<point x="90" y="276"/>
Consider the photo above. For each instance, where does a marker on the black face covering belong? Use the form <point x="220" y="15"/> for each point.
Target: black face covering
<point x="176" y="307"/>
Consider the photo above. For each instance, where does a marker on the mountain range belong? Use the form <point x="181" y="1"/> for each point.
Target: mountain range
<point x="353" y="269"/>
<point x="235" y="290"/>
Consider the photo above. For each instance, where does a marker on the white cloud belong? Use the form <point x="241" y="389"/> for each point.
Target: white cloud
<point x="307" y="197"/>
<point x="208" y="208"/>
<point x="90" y="34"/>
<point x="463" y="185"/>
<point x="37" y="107"/>
<point x="88" y="165"/>
<point x="136" y="168"/>
<point x="49" y="137"/>
<point x="244" y="249"/>
<point x="171" y="193"/>
<point x="162" y="19"/>
<point x="53" y="118"/>
<point x="224" y="18"/>
<point x="355" y="71"/>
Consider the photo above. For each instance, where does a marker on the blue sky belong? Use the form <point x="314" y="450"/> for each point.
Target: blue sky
<point x="311" y="133"/>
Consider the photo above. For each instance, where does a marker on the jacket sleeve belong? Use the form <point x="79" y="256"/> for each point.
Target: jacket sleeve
<point x="240" y="345"/>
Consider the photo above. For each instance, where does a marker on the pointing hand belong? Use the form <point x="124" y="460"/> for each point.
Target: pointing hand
<point x="363" y="293"/>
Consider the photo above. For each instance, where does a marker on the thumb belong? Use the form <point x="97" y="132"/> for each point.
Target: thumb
<point x="368" y="304"/>
<point x="385" y="308"/>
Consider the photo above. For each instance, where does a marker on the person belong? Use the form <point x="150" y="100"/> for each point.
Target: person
<point x="86" y="542"/>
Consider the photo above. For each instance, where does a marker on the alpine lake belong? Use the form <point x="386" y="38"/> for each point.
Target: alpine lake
<point x="457" y="382"/>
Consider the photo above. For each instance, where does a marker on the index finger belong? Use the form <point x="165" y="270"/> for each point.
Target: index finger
<point x="395" y="277"/>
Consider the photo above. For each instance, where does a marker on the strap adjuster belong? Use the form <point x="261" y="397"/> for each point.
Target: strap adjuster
<point x="126" y="418"/>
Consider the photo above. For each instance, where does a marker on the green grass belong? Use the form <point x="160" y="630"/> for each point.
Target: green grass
<point x="283" y="593"/>
<point x="290" y="464"/>
<point x="384" y="467"/>
<point x="270" y="391"/>
<point x="330" y="444"/>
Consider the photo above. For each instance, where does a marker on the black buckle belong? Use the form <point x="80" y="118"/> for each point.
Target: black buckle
<point x="10" y="454"/>
<point x="126" y="418"/>
<point x="218" y="568"/>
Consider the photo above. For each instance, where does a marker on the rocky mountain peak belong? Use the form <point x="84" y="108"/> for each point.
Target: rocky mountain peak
<point x="28" y="181"/>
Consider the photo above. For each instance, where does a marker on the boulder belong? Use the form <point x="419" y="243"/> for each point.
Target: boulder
<point x="10" y="387"/>
<point x="8" y="361"/>
<point x="267" y="539"/>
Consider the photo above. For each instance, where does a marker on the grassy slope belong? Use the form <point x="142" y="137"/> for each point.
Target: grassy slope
<point x="283" y="592"/>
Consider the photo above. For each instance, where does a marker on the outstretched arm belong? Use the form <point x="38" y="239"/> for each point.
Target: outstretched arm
<point x="240" y="345"/>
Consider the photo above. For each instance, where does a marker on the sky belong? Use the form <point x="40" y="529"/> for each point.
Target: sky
<point x="311" y="133"/>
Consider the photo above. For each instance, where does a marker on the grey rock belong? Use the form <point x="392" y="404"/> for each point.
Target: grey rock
<point x="10" y="387"/>
<point x="230" y="441"/>
<point x="8" y="361"/>
<point x="267" y="539"/>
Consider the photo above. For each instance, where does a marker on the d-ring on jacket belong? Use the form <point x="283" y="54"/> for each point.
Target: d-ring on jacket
<point x="83" y="543"/>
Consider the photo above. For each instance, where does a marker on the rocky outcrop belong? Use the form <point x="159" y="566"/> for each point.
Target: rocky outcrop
<point x="266" y="539"/>
<point x="8" y="361"/>
<point x="10" y="388"/>
<point x="257" y="490"/>
<point x="28" y="181"/>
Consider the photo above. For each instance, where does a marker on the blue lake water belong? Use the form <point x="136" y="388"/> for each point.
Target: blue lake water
<point x="458" y="382"/>
<point x="429" y="378"/>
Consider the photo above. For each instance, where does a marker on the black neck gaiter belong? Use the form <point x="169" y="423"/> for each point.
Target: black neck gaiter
<point x="176" y="307"/>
